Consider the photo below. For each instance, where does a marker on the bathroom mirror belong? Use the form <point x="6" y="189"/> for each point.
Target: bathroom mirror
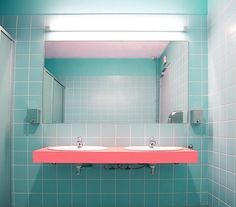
<point x="115" y="82"/>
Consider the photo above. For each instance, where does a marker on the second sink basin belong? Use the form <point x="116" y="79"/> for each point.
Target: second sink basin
<point x="156" y="148"/>
<point x="75" y="148"/>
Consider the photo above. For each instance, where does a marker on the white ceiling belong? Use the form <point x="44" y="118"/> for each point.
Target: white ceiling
<point x="104" y="49"/>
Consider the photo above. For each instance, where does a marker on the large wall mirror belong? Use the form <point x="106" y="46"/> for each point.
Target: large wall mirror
<point x="115" y="82"/>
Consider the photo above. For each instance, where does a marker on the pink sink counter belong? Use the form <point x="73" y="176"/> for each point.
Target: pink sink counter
<point x="115" y="155"/>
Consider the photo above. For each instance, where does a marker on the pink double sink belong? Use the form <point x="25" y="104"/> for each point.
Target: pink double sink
<point x="116" y="155"/>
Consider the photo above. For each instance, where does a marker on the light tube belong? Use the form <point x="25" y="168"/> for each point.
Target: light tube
<point x="116" y="23"/>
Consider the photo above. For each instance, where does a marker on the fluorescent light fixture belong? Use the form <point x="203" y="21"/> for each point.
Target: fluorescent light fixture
<point x="116" y="23"/>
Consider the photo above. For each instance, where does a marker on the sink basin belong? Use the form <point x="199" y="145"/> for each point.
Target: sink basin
<point x="75" y="148"/>
<point x="156" y="148"/>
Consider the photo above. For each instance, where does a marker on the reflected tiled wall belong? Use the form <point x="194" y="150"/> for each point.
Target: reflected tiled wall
<point x="110" y="99"/>
<point x="107" y="90"/>
<point x="222" y="103"/>
<point x="174" y="82"/>
<point x="37" y="185"/>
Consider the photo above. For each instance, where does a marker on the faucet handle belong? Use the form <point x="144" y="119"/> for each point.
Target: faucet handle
<point x="79" y="139"/>
<point x="152" y="138"/>
<point x="79" y="142"/>
<point x="153" y="141"/>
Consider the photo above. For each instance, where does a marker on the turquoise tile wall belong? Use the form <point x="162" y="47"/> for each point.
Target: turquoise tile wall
<point x="222" y="103"/>
<point x="27" y="7"/>
<point x="37" y="185"/>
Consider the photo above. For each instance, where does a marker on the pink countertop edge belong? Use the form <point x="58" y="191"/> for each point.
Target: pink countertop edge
<point x="115" y="155"/>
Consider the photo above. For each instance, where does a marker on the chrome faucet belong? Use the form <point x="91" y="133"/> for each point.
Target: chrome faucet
<point x="152" y="142"/>
<point x="79" y="142"/>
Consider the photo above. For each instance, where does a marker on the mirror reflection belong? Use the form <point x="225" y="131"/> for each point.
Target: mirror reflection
<point x="115" y="82"/>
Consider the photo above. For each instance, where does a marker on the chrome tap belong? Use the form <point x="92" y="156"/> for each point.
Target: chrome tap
<point x="79" y="142"/>
<point x="152" y="142"/>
